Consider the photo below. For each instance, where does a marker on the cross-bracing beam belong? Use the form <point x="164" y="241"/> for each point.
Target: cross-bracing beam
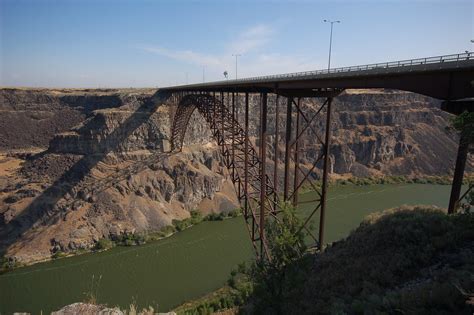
<point x="256" y="189"/>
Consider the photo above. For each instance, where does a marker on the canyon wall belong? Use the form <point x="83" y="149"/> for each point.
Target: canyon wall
<point x="80" y="165"/>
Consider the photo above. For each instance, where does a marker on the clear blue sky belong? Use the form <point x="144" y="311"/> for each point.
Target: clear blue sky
<point x="156" y="43"/>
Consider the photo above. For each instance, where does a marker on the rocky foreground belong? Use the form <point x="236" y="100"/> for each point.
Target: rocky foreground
<point x="77" y="166"/>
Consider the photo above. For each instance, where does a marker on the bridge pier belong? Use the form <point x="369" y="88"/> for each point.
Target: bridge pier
<point x="327" y="145"/>
<point x="461" y="159"/>
<point x="457" y="107"/>
<point x="287" y="149"/>
<point x="275" y="158"/>
<point x="257" y="193"/>
<point x="263" y="167"/>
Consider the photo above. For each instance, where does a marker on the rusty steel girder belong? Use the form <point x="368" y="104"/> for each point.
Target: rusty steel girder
<point x="247" y="166"/>
<point x="240" y="157"/>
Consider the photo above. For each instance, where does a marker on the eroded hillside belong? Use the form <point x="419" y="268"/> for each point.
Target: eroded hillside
<point x="81" y="165"/>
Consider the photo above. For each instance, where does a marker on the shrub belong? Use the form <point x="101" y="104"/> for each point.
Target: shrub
<point x="215" y="217"/>
<point x="416" y="260"/>
<point x="9" y="263"/>
<point x="167" y="230"/>
<point x="464" y="123"/>
<point x="58" y="254"/>
<point x="285" y="240"/>
<point x="130" y="239"/>
<point x="103" y="244"/>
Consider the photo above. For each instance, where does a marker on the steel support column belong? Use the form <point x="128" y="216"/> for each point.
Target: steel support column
<point x="263" y="159"/>
<point x="222" y="116"/>
<point x="463" y="149"/>
<point x="327" y="144"/>
<point x="246" y="156"/>
<point x="275" y="159"/>
<point x="296" y="182"/>
<point x="286" y="180"/>
<point x="233" y="136"/>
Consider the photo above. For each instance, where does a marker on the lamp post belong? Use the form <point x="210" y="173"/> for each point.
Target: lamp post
<point x="330" y="41"/>
<point x="236" y="56"/>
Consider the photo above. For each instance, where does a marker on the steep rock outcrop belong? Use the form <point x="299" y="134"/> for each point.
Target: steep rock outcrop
<point x="106" y="170"/>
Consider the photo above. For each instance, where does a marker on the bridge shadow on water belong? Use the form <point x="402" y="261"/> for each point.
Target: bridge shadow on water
<point x="45" y="207"/>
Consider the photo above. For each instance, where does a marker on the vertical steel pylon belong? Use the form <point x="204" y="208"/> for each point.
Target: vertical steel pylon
<point x="255" y="189"/>
<point x="303" y="134"/>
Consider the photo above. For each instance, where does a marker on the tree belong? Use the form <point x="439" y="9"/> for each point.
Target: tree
<point x="464" y="123"/>
<point x="273" y="278"/>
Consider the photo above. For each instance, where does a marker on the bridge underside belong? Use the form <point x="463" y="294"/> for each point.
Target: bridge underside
<point x="451" y="81"/>
<point x="264" y="185"/>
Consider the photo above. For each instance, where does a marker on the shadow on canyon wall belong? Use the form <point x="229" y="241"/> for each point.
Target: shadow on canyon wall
<point x="45" y="206"/>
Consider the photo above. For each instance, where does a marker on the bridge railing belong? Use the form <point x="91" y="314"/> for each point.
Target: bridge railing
<point x="383" y="65"/>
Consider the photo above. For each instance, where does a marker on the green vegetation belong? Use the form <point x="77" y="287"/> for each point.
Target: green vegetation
<point x="196" y="217"/>
<point x="223" y="215"/>
<point x="468" y="201"/>
<point x="363" y="181"/>
<point x="392" y="179"/>
<point x="130" y="239"/>
<point x="8" y="263"/>
<point x="264" y="279"/>
<point x="104" y="244"/>
<point x="269" y="277"/>
<point x="224" y="298"/>
<point x="415" y="260"/>
<point x="58" y="254"/>
<point x="470" y="198"/>
<point x="234" y="294"/>
<point x="464" y="123"/>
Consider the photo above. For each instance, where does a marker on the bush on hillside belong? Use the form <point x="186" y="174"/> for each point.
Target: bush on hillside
<point x="103" y="244"/>
<point x="286" y="245"/>
<point x="415" y="260"/>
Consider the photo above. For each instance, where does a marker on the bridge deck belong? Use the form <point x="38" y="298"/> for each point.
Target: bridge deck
<point x="448" y="77"/>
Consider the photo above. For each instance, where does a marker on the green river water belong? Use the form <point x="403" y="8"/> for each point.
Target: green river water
<point x="187" y="265"/>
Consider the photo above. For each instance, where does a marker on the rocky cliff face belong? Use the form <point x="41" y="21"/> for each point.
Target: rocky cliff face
<point x="374" y="133"/>
<point x="394" y="133"/>
<point x="105" y="170"/>
<point x="106" y="176"/>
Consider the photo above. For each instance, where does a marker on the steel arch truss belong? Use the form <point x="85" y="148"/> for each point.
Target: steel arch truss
<point x="240" y="157"/>
<point x="259" y="198"/>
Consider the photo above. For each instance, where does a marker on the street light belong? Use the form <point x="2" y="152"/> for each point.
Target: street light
<point x="236" y="56"/>
<point x="330" y="41"/>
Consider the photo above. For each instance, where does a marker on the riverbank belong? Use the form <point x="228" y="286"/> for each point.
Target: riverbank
<point x="189" y="264"/>
<point x="135" y="239"/>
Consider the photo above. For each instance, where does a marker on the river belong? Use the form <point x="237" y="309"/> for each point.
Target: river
<point x="189" y="264"/>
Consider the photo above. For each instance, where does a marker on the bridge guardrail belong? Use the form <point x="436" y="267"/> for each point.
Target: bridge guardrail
<point x="382" y="65"/>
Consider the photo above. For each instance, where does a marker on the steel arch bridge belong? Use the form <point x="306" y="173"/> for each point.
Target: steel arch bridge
<point x="449" y="78"/>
